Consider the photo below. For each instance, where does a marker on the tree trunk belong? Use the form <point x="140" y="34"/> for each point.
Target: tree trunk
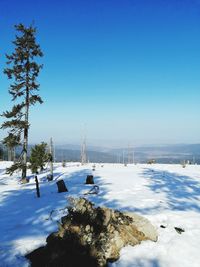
<point x="14" y="155"/>
<point x="25" y="143"/>
<point x="25" y="147"/>
<point x="9" y="153"/>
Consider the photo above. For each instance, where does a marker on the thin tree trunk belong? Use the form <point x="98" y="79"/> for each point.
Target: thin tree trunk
<point x="24" y="154"/>
<point x="14" y="155"/>
<point x="9" y="154"/>
<point x="25" y="143"/>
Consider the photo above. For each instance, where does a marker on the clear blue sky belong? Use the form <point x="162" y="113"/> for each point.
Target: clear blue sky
<point x="128" y="70"/>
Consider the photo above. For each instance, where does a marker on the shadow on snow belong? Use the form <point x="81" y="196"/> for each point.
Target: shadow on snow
<point x="25" y="216"/>
<point x="181" y="192"/>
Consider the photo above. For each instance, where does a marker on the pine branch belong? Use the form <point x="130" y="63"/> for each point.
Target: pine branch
<point x="17" y="132"/>
<point x="34" y="99"/>
<point x="15" y="112"/>
<point x="16" y="166"/>
<point x="11" y="140"/>
<point x="14" y="124"/>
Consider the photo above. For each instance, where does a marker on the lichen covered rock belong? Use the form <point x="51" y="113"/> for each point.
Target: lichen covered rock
<point x="91" y="236"/>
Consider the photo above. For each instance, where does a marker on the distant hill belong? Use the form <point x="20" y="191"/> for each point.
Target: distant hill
<point x="162" y="154"/>
<point x="140" y="154"/>
<point x="165" y="153"/>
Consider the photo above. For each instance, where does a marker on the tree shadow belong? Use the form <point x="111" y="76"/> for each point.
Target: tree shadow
<point x="2" y="171"/>
<point x="182" y="192"/>
<point x="26" y="217"/>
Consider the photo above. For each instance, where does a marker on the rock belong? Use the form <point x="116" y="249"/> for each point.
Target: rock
<point x="91" y="236"/>
<point x="87" y="228"/>
<point x="24" y="181"/>
<point x="144" y="226"/>
<point x="179" y="230"/>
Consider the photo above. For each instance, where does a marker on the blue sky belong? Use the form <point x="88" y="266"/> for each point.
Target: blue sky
<point x="127" y="70"/>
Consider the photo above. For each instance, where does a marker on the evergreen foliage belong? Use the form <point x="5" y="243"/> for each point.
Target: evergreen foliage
<point x="11" y="141"/>
<point x="1" y="153"/>
<point x="14" y="167"/>
<point x="39" y="156"/>
<point x="23" y="71"/>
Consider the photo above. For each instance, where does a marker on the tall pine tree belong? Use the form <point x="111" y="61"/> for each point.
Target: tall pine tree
<point x="23" y="70"/>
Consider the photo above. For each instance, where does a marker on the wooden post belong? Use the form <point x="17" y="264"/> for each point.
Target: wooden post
<point x="52" y="158"/>
<point x="37" y="186"/>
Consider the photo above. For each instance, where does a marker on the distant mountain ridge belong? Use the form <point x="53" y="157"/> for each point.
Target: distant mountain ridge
<point x="138" y="154"/>
<point x="162" y="153"/>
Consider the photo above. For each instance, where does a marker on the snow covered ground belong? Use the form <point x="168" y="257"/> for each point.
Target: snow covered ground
<point x="167" y="195"/>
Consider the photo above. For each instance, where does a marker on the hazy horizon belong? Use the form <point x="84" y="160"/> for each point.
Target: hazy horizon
<point x="112" y="145"/>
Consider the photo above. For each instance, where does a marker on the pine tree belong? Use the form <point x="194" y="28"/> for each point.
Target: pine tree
<point x="11" y="141"/>
<point x="23" y="70"/>
<point x="39" y="156"/>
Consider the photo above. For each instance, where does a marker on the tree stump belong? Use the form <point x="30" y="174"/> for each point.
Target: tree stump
<point x="89" y="179"/>
<point x="61" y="186"/>
<point x="50" y="177"/>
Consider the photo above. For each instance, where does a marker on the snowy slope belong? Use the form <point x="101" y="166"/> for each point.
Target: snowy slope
<point x="167" y="195"/>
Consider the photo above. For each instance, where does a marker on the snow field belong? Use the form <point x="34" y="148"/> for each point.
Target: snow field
<point x="167" y="195"/>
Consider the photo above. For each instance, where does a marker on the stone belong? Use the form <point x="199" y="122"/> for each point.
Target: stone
<point x="144" y="226"/>
<point x="91" y="236"/>
<point x="179" y="230"/>
<point x="87" y="228"/>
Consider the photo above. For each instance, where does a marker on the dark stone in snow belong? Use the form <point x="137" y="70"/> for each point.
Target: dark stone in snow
<point x="179" y="230"/>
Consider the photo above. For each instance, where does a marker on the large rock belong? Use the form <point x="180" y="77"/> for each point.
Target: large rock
<point x="91" y="236"/>
<point x="144" y="226"/>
